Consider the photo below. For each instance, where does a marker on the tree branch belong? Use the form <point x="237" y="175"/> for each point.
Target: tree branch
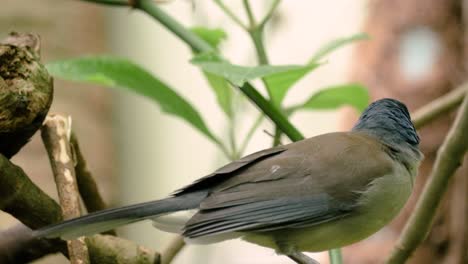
<point x="439" y="106"/>
<point x="56" y="137"/>
<point x="447" y="161"/>
<point x="174" y="247"/>
<point x="20" y="197"/>
<point x="87" y="186"/>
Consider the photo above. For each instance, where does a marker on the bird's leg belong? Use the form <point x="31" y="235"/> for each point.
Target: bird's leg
<point x="292" y="253"/>
<point x="301" y="258"/>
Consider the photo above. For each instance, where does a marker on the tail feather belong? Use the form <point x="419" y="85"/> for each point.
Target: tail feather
<point x="109" y="219"/>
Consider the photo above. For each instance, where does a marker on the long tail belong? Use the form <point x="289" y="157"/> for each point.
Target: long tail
<point x="109" y="219"/>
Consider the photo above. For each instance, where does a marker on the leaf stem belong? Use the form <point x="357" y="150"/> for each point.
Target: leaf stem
<point x="248" y="10"/>
<point x="230" y="14"/>
<point x="256" y="34"/>
<point x="195" y="42"/>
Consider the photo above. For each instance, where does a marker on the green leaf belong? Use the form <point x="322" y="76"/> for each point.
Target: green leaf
<point x="335" y="44"/>
<point x="223" y="92"/>
<point x="212" y="36"/>
<point x="218" y="84"/>
<point x="121" y="73"/>
<point x="333" y="97"/>
<point x="236" y="74"/>
<point x="280" y="83"/>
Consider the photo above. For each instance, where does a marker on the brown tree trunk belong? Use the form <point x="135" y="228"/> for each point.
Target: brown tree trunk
<point x="416" y="54"/>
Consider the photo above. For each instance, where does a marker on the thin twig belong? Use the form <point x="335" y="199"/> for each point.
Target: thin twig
<point x="302" y="258"/>
<point x="250" y="15"/>
<point x="230" y="14"/>
<point x="439" y="106"/>
<point x="174" y="247"/>
<point x="245" y="142"/>
<point x="56" y="137"/>
<point x="269" y="13"/>
<point x="447" y="161"/>
<point x="87" y="186"/>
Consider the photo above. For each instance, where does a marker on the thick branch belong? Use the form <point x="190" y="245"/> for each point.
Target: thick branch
<point x="20" y="197"/>
<point x="18" y="246"/>
<point x="26" y="91"/>
<point x="56" y="137"/>
<point x="448" y="160"/>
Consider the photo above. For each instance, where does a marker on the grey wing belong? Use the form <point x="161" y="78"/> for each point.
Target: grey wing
<point x="291" y="212"/>
<point x="226" y="171"/>
<point x="251" y="211"/>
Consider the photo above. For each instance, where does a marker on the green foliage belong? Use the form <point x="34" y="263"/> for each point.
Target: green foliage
<point x="335" y="44"/>
<point x="121" y="73"/>
<point x="280" y="83"/>
<point x="212" y="36"/>
<point x="238" y="75"/>
<point x="218" y="84"/>
<point x="333" y="97"/>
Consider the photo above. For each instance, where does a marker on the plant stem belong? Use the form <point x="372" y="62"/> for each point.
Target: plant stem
<point x="230" y="14"/>
<point x="447" y="161"/>
<point x="256" y="35"/>
<point x="110" y="2"/>
<point x="195" y="42"/>
<point x="249" y="12"/>
<point x="249" y="135"/>
<point x="335" y="256"/>
<point x="269" y="13"/>
<point x="199" y="45"/>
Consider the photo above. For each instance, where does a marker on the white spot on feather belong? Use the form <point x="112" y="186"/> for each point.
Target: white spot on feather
<point x="274" y="168"/>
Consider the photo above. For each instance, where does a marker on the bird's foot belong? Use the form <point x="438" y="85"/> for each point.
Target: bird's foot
<point x="301" y="258"/>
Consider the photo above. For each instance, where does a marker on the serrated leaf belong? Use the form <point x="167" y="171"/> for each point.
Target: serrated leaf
<point x="333" y="97"/>
<point x="280" y="83"/>
<point x="236" y="74"/>
<point x="335" y="44"/>
<point x="121" y="73"/>
<point x="213" y="36"/>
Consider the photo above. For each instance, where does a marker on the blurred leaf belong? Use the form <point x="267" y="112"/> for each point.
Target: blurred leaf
<point x="222" y="90"/>
<point x="333" y="97"/>
<point x="280" y="83"/>
<point x="212" y="36"/>
<point x="335" y="44"/>
<point x="218" y="84"/>
<point x="117" y="72"/>
<point x="236" y="74"/>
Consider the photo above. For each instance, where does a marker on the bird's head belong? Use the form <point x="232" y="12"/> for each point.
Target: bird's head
<point x="389" y="120"/>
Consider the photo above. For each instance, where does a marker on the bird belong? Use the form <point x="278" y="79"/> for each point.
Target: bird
<point x="320" y="193"/>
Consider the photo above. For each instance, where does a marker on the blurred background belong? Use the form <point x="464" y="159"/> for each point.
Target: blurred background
<point x="416" y="52"/>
